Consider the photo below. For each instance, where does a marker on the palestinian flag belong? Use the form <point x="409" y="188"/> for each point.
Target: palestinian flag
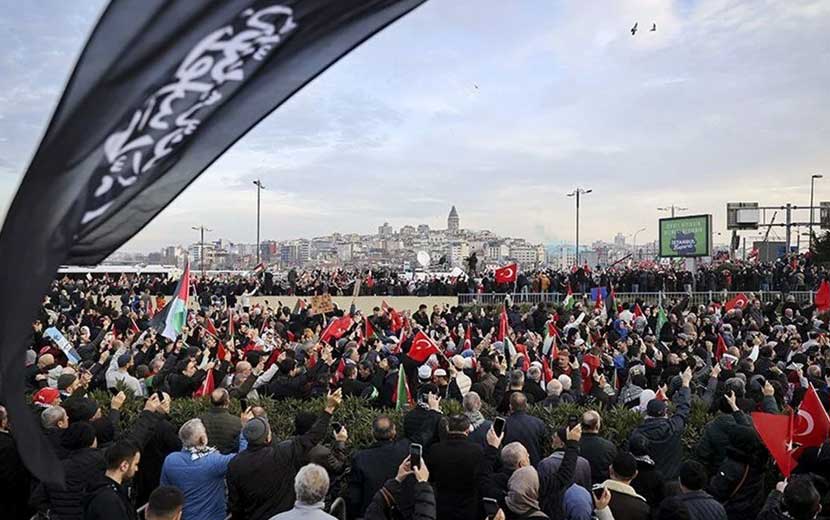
<point x="402" y="397"/>
<point x="207" y="387"/>
<point x="551" y="335"/>
<point x="568" y="302"/>
<point x="299" y="306"/>
<point x="661" y="320"/>
<point x="370" y="330"/>
<point x="170" y="320"/>
<point x="611" y="304"/>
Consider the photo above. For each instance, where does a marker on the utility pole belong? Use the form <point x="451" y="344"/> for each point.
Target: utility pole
<point x="201" y="230"/>
<point x="672" y="209"/>
<point x="812" y="190"/>
<point x="789" y="224"/>
<point x="634" y="241"/>
<point x="259" y="187"/>
<point x="576" y="193"/>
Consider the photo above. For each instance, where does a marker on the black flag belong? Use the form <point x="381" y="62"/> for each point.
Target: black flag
<point x="160" y="91"/>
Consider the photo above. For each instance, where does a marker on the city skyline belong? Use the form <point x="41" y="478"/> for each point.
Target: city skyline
<point x="502" y="114"/>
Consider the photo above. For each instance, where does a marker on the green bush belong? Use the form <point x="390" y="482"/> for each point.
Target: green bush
<point x="357" y="416"/>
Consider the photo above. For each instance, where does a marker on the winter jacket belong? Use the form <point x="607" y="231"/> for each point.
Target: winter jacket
<point x="253" y="497"/>
<point x="455" y="466"/>
<point x="701" y="506"/>
<point x="106" y="499"/>
<point x="649" y="482"/>
<point x="305" y="512"/>
<point x="201" y="479"/>
<point x="664" y="435"/>
<point x="394" y="498"/>
<point x="599" y="452"/>
<point x="163" y="441"/>
<point x="81" y="468"/>
<point x="626" y="504"/>
<point x="370" y="468"/>
<point x="222" y="429"/>
<point x="738" y="484"/>
<point x="582" y="473"/>
<point x="422" y="426"/>
<point x="552" y="486"/>
<point x="529" y="431"/>
<point x="711" y="449"/>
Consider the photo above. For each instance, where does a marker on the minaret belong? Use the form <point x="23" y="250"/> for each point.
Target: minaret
<point x="453" y="221"/>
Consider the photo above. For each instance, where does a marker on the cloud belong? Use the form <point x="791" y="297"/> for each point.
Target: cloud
<point x="726" y="101"/>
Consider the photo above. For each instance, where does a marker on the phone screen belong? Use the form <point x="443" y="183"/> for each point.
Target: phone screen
<point x="415" y="451"/>
<point x="598" y="490"/>
<point x="336" y="427"/>
<point x="498" y="425"/>
<point x="491" y="507"/>
<point x="243" y="404"/>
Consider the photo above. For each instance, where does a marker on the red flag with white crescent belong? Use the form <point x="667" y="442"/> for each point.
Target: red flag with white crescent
<point x="507" y="274"/>
<point x="422" y="347"/>
<point x="812" y="425"/>
<point x="739" y="301"/>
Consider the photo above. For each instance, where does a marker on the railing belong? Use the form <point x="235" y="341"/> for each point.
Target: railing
<point x="647" y="298"/>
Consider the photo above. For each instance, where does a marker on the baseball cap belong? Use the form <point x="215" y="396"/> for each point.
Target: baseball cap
<point x="124" y="359"/>
<point x="656" y="408"/>
<point x="46" y="396"/>
<point x="65" y="381"/>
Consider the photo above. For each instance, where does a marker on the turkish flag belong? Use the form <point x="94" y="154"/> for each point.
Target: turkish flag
<point x="721" y="350"/>
<point x="812" y="424"/>
<point x="507" y="274"/>
<point x="422" y="347"/>
<point x="776" y="431"/>
<point x="739" y="301"/>
<point x="590" y="363"/>
<point x="336" y="328"/>
<point x="503" y="324"/>
<point x="822" y="299"/>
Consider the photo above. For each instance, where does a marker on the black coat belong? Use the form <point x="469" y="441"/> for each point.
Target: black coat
<point x="649" y="483"/>
<point x="261" y="478"/>
<point x="599" y="453"/>
<point x="417" y="503"/>
<point x="222" y="429"/>
<point x="164" y="441"/>
<point x="81" y="467"/>
<point x="702" y="506"/>
<point x="529" y="431"/>
<point x="371" y="467"/>
<point x="14" y="480"/>
<point x="454" y="469"/>
<point x="664" y="435"/>
<point x="422" y="426"/>
<point x="107" y="500"/>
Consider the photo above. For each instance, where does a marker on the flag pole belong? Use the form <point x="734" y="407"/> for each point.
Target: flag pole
<point x="790" y="445"/>
<point x="516" y="280"/>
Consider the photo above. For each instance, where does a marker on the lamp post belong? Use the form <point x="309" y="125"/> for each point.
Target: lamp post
<point x="259" y="187"/>
<point x="577" y="193"/>
<point x="634" y="241"/>
<point x="812" y="191"/>
<point x="201" y="230"/>
<point x="672" y="209"/>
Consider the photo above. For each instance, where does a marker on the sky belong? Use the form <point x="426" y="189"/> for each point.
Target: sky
<point x="499" y="108"/>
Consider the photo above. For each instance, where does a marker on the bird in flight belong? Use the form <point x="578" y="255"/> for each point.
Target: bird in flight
<point x="476" y="86"/>
<point x="634" y="29"/>
<point x="653" y="27"/>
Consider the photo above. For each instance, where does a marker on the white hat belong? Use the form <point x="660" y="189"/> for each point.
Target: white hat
<point x="424" y="372"/>
<point x="440" y="372"/>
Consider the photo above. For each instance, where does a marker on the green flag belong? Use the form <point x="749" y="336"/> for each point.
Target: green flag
<point x="661" y="320"/>
<point x="402" y="395"/>
<point x="569" y="299"/>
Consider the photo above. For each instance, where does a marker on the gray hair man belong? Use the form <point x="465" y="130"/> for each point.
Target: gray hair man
<point x="310" y="487"/>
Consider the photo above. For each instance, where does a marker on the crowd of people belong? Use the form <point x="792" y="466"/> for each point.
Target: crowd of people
<point x="495" y="460"/>
<point x="796" y="273"/>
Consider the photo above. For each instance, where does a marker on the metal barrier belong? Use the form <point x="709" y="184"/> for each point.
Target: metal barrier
<point x="648" y="298"/>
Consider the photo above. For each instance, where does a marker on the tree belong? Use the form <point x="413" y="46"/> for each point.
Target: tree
<point x="821" y="247"/>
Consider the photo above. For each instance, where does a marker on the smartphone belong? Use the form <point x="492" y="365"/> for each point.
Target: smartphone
<point x="415" y="451"/>
<point x="491" y="506"/>
<point x="598" y="490"/>
<point x="498" y="425"/>
<point x="160" y="395"/>
<point x="337" y="427"/>
<point x="573" y="420"/>
<point x="243" y="404"/>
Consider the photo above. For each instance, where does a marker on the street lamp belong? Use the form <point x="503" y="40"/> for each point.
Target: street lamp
<point x="201" y="230"/>
<point x="576" y="193"/>
<point x="812" y="190"/>
<point x="672" y="209"/>
<point x="634" y="240"/>
<point x="259" y="187"/>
